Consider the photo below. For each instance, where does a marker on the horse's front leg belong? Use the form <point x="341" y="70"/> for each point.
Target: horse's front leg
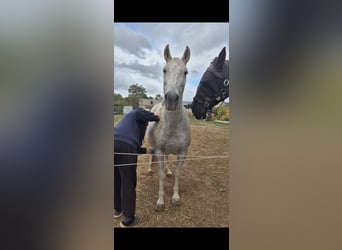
<point x="167" y="164"/>
<point x="152" y="160"/>
<point x="161" y="171"/>
<point x="175" y="196"/>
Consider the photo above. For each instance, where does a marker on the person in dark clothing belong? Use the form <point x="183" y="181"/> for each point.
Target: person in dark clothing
<point x="128" y="136"/>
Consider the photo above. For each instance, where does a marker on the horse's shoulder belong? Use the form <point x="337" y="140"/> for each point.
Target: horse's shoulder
<point x="156" y="107"/>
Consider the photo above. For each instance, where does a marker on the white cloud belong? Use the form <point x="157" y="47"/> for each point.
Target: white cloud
<point x="132" y="41"/>
<point x="138" y="53"/>
<point x="189" y="92"/>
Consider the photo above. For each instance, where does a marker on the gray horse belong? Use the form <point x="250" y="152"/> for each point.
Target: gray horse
<point x="172" y="134"/>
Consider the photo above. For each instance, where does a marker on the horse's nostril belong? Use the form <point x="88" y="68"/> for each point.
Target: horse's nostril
<point x="165" y="97"/>
<point x="177" y="97"/>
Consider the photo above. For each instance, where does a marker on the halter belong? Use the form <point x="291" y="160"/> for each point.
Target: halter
<point x="214" y="88"/>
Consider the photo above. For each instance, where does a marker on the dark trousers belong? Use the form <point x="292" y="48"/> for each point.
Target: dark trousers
<point x="125" y="179"/>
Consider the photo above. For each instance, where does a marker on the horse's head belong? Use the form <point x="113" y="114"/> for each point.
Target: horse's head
<point x="213" y="87"/>
<point x="175" y="72"/>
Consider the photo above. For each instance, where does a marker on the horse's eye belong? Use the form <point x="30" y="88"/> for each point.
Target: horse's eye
<point x="186" y="72"/>
<point x="164" y="70"/>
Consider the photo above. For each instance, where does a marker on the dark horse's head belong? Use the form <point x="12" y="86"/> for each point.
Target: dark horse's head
<point x="213" y="87"/>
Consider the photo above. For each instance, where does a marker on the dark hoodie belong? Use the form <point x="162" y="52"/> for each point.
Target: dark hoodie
<point x="131" y="129"/>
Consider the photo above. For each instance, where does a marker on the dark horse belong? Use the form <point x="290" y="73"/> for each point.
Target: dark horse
<point x="213" y="87"/>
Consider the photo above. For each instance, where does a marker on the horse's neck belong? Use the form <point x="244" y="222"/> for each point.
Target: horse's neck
<point x="174" y="116"/>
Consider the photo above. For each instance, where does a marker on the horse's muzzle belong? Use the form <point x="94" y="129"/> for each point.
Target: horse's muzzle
<point x="198" y="110"/>
<point x="171" y="100"/>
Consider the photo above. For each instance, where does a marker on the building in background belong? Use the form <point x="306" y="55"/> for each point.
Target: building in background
<point x="148" y="103"/>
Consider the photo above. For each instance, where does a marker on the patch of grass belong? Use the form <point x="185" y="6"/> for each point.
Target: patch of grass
<point x="117" y="118"/>
<point x="194" y="121"/>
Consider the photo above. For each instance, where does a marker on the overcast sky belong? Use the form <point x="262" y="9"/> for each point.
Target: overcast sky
<point x="139" y="47"/>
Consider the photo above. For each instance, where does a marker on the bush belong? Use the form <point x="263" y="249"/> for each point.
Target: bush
<point x="222" y="112"/>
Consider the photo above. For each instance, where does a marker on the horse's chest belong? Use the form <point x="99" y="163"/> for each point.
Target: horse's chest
<point x="172" y="140"/>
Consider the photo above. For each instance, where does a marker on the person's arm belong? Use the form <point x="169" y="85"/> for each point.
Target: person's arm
<point x="146" y="116"/>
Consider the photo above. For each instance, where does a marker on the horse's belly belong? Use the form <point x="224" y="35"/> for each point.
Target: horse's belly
<point x="171" y="149"/>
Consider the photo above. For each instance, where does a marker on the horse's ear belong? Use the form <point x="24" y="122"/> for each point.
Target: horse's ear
<point x="167" y="54"/>
<point x="220" y="59"/>
<point x="186" y="55"/>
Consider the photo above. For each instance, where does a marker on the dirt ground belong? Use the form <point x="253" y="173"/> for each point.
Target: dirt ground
<point x="203" y="186"/>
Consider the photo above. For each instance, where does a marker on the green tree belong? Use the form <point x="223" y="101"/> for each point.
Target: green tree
<point x="118" y="97"/>
<point x="137" y="90"/>
<point x="119" y="102"/>
<point x="135" y="93"/>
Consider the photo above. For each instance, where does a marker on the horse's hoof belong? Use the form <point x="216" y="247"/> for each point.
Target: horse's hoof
<point x="176" y="202"/>
<point x="169" y="174"/>
<point x="150" y="172"/>
<point x="160" y="207"/>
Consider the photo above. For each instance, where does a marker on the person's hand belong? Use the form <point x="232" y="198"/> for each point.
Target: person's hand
<point x="158" y="114"/>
